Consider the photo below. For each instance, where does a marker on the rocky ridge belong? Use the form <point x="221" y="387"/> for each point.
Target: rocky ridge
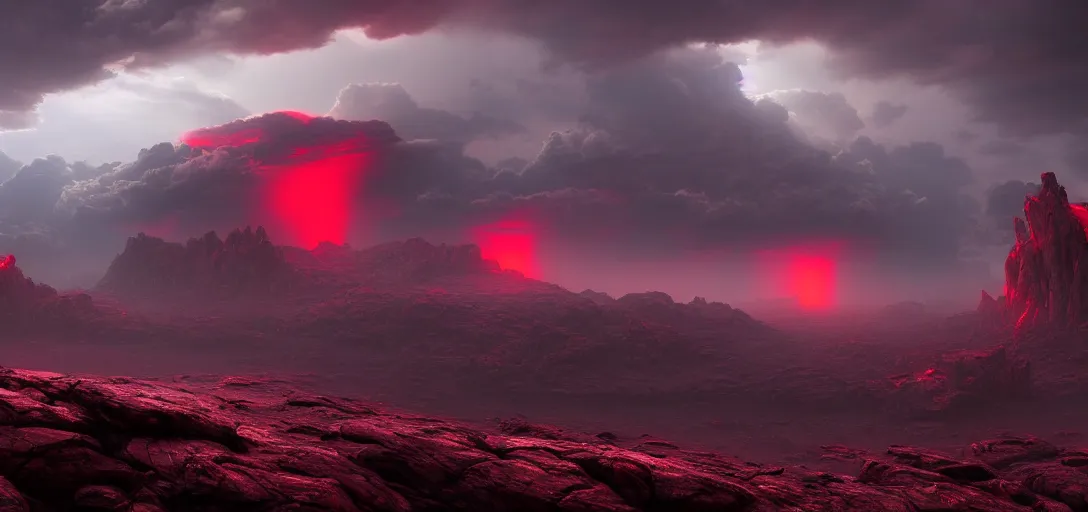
<point x="699" y="314"/>
<point x="245" y="262"/>
<point x="402" y="263"/>
<point x="119" y="444"/>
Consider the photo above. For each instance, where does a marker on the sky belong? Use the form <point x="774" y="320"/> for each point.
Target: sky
<point x="634" y="133"/>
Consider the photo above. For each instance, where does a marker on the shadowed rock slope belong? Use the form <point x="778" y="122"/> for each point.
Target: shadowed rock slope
<point x="26" y="306"/>
<point x="246" y="262"/>
<point x="88" y="443"/>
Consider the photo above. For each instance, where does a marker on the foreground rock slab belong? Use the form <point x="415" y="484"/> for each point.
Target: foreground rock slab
<point x="117" y="444"/>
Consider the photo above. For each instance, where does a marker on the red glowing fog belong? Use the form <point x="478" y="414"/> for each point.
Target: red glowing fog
<point x="310" y="190"/>
<point x="511" y="243"/>
<point x="812" y="280"/>
<point x="312" y="197"/>
<point x="808" y="275"/>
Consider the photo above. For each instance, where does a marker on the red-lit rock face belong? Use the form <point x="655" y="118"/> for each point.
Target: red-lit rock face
<point x="1046" y="272"/>
<point x="309" y="189"/>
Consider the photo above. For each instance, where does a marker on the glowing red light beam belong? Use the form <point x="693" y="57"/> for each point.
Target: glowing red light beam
<point x="806" y="274"/>
<point x="511" y="243"/>
<point x="812" y="281"/>
<point x="310" y="190"/>
<point x="313" y="199"/>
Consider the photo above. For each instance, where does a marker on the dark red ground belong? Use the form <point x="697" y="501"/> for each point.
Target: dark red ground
<point x="85" y="443"/>
<point x="442" y="330"/>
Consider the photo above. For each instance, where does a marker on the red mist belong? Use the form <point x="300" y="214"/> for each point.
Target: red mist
<point x="512" y="243"/>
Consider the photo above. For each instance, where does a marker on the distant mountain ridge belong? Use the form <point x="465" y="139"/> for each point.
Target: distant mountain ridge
<point x="246" y="262"/>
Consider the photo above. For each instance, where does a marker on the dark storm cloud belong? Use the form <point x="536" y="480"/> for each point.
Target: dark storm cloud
<point x="934" y="181"/>
<point x="669" y="155"/>
<point x="1005" y="201"/>
<point x="965" y="136"/>
<point x="886" y="113"/>
<point x="217" y="178"/>
<point x="829" y="113"/>
<point x="32" y="192"/>
<point x="555" y="100"/>
<point x="1076" y="157"/>
<point x="392" y="104"/>
<point x="162" y="180"/>
<point x="222" y="180"/>
<point x="670" y="145"/>
<point x="669" y="102"/>
<point x="1019" y="63"/>
<point x="1003" y="148"/>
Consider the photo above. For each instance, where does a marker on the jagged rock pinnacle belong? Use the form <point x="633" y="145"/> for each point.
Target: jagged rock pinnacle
<point x="1046" y="272"/>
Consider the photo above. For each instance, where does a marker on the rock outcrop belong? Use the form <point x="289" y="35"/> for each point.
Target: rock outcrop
<point x="415" y="260"/>
<point x="961" y="382"/>
<point x="245" y="262"/>
<point x="1046" y="272"/>
<point x="398" y="264"/>
<point x="118" y="444"/>
<point x="17" y="290"/>
<point x="26" y="304"/>
<point x="699" y="314"/>
<point x="599" y="298"/>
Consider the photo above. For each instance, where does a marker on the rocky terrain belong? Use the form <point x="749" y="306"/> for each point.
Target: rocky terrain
<point x="961" y="381"/>
<point x="414" y="307"/>
<point x="437" y="328"/>
<point x="420" y="320"/>
<point x="118" y="444"/>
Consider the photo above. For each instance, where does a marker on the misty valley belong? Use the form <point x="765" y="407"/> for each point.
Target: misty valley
<point x="440" y="329"/>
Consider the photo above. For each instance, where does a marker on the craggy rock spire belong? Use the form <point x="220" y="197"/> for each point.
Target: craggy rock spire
<point x="1046" y="272"/>
<point x="246" y="261"/>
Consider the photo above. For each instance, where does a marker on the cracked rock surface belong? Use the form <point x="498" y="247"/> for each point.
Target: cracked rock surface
<point x="118" y="444"/>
